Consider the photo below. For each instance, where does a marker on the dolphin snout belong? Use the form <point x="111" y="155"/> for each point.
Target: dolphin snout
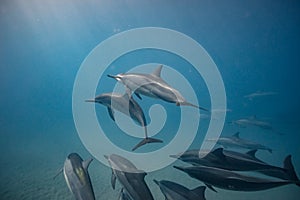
<point x="179" y="168"/>
<point x="174" y="156"/>
<point x="111" y="76"/>
<point x="117" y="77"/>
<point x="90" y="100"/>
<point x="156" y="181"/>
<point x="106" y="156"/>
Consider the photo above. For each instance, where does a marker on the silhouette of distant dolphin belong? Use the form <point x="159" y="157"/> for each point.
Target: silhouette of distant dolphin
<point x="236" y="141"/>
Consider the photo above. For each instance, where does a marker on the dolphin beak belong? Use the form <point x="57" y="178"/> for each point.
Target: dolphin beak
<point x="155" y="181"/>
<point x="112" y="76"/>
<point x="175" y="156"/>
<point x="180" y="168"/>
<point x="212" y="140"/>
<point x="90" y="100"/>
<point x="106" y="156"/>
<point x="116" y="77"/>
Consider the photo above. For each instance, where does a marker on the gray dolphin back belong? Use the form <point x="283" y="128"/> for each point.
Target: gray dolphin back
<point x="77" y="177"/>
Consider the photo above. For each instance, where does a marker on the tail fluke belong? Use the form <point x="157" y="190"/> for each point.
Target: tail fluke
<point x="146" y="141"/>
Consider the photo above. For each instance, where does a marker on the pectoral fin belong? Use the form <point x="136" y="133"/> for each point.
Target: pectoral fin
<point x="113" y="180"/>
<point x="211" y="187"/>
<point x="58" y="173"/>
<point x="138" y="95"/>
<point x="111" y="113"/>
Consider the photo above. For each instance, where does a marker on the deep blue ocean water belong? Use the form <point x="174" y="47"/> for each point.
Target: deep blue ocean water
<point x="255" y="45"/>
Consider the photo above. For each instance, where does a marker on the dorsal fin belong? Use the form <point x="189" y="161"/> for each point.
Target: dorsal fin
<point x="236" y="135"/>
<point x="157" y="71"/>
<point x="138" y="95"/>
<point x="197" y="193"/>
<point x="219" y="153"/>
<point x="252" y="117"/>
<point x="210" y="187"/>
<point x="86" y="163"/>
<point x="252" y="153"/>
<point x="141" y="173"/>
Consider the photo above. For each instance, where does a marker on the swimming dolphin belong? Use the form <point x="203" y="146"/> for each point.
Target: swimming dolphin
<point x="131" y="178"/>
<point x="229" y="180"/>
<point x="77" y="177"/>
<point x="174" y="191"/>
<point x="236" y="141"/>
<point x="253" y="121"/>
<point x="236" y="161"/>
<point x="259" y="94"/>
<point x="152" y="85"/>
<point x="128" y="106"/>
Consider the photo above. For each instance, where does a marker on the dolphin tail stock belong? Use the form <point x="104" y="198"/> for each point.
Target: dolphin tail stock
<point x="192" y="105"/>
<point x="289" y="167"/>
<point x="146" y="141"/>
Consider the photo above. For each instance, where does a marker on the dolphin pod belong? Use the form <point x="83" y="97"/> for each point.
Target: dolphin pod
<point x="231" y="160"/>
<point x="218" y="168"/>
<point x="152" y="85"/>
<point x="128" y="106"/>
<point x="229" y="180"/>
<point x="77" y="177"/>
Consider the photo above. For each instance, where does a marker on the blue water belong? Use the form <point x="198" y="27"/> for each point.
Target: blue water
<point x="255" y="45"/>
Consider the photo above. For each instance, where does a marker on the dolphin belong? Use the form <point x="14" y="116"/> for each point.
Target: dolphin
<point x="231" y="160"/>
<point x="236" y="141"/>
<point x="253" y="121"/>
<point x="131" y="178"/>
<point x="229" y="180"/>
<point x="174" y="191"/>
<point x="77" y="177"/>
<point x="152" y="85"/>
<point x="128" y="106"/>
<point x="259" y="94"/>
